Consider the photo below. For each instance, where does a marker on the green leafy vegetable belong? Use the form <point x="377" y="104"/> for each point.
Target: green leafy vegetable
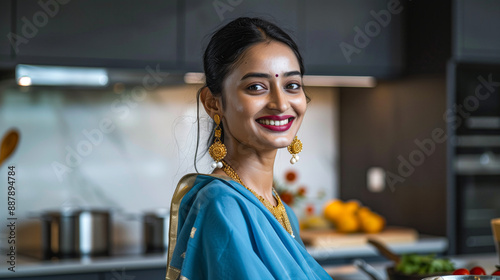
<point x="423" y="264"/>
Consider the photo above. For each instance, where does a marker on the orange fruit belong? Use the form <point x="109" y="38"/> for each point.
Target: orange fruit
<point x="333" y="209"/>
<point x="347" y="223"/>
<point x="351" y="206"/>
<point x="364" y="211"/>
<point x="372" y="223"/>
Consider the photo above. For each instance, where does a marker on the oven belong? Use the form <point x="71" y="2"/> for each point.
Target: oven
<point x="473" y="118"/>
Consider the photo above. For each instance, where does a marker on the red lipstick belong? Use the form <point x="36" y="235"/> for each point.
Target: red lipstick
<point x="276" y="123"/>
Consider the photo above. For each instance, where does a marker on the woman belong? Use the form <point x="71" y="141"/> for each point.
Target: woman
<point x="232" y="224"/>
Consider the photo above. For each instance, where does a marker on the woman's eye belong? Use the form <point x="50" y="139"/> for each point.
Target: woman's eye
<point x="293" y="86"/>
<point x="255" y="87"/>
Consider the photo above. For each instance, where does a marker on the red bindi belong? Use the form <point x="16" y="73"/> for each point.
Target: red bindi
<point x="277" y="75"/>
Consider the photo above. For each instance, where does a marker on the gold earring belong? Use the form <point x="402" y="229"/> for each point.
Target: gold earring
<point x="217" y="150"/>
<point x="294" y="148"/>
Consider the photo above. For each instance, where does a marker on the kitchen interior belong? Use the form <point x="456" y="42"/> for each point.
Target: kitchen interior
<point x="98" y="117"/>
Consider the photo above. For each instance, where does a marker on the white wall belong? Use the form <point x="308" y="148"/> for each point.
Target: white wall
<point x="134" y="167"/>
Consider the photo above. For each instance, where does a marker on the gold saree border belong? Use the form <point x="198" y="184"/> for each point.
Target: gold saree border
<point x="185" y="184"/>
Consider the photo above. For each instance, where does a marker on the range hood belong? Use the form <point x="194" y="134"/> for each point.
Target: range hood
<point x="69" y="76"/>
<point x="309" y="80"/>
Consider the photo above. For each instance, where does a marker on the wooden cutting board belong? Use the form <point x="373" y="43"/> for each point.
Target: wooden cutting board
<point x="334" y="239"/>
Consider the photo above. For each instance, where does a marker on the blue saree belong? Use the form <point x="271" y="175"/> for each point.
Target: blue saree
<point x="220" y="230"/>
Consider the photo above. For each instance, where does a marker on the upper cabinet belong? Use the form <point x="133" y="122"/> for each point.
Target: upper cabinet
<point x="97" y="33"/>
<point x="476" y="27"/>
<point x="336" y="37"/>
<point x="363" y="37"/>
<point x="5" y="32"/>
<point x="202" y="18"/>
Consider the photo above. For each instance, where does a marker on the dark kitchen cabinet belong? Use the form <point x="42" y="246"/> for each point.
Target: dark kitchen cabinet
<point x="353" y="37"/>
<point x="322" y="29"/>
<point x="476" y="25"/>
<point x="83" y="276"/>
<point x="335" y="37"/>
<point x="473" y="173"/>
<point x="5" y="30"/>
<point x="158" y="273"/>
<point x="98" y="33"/>
<point x="204" y="17"/>
<point x="472" y="75"/>
<point x="399" y="127"/>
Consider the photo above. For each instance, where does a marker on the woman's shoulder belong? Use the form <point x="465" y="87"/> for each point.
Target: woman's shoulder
<point x="210" y="187"/>
<point x="218" y="188"/>
<point x="217" y="198"/>
<point x="192" y="178"/>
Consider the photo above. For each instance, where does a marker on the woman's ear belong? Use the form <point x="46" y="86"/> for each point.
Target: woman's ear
<point x="211" y="103"/>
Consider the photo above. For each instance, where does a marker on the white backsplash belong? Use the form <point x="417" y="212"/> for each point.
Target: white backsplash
<point x="137" y="152"/>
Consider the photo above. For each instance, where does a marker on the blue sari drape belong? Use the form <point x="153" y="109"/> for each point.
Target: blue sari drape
<point x="220" y="230"/>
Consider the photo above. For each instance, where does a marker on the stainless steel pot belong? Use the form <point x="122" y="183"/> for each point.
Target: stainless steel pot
<point x="155" y="230"/>
<point x="73" y="233"/>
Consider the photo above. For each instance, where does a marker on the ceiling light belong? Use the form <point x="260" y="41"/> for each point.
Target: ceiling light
<point x="61" y="76"/>
<point x="24" y="81"/>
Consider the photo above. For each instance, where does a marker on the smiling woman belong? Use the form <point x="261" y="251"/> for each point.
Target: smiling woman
<point x="231" y="224"/>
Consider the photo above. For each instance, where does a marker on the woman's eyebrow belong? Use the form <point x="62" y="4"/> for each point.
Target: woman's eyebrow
<point x="256" y="75"/>
<point x="292" y="73"/>
<point x="267" y="76"/>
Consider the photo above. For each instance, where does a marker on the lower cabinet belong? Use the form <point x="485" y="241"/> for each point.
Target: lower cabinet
<point x="84" y="276"/>
<point x="115" y="274"/>
<point x="145" y="274"/>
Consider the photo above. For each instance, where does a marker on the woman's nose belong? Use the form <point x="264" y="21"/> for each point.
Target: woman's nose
<point x="278" y="100"/>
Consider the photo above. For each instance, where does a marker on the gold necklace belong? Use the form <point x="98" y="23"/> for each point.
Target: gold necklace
<point x="278" y="211"/>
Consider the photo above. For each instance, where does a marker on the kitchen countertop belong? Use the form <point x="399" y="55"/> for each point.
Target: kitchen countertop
<point x="350" y="272"/>
<point x="26" y="266"/>
<point x="425" y="244"/>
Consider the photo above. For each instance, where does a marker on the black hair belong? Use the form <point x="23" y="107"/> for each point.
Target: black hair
<point x="226" y="47"/>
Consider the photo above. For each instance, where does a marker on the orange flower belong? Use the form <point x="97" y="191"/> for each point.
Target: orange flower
<point x="302" y="191"/>
<point x="287" y="197"/>
<point x="290" y="176"/>
<point x="310" y="209"/>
